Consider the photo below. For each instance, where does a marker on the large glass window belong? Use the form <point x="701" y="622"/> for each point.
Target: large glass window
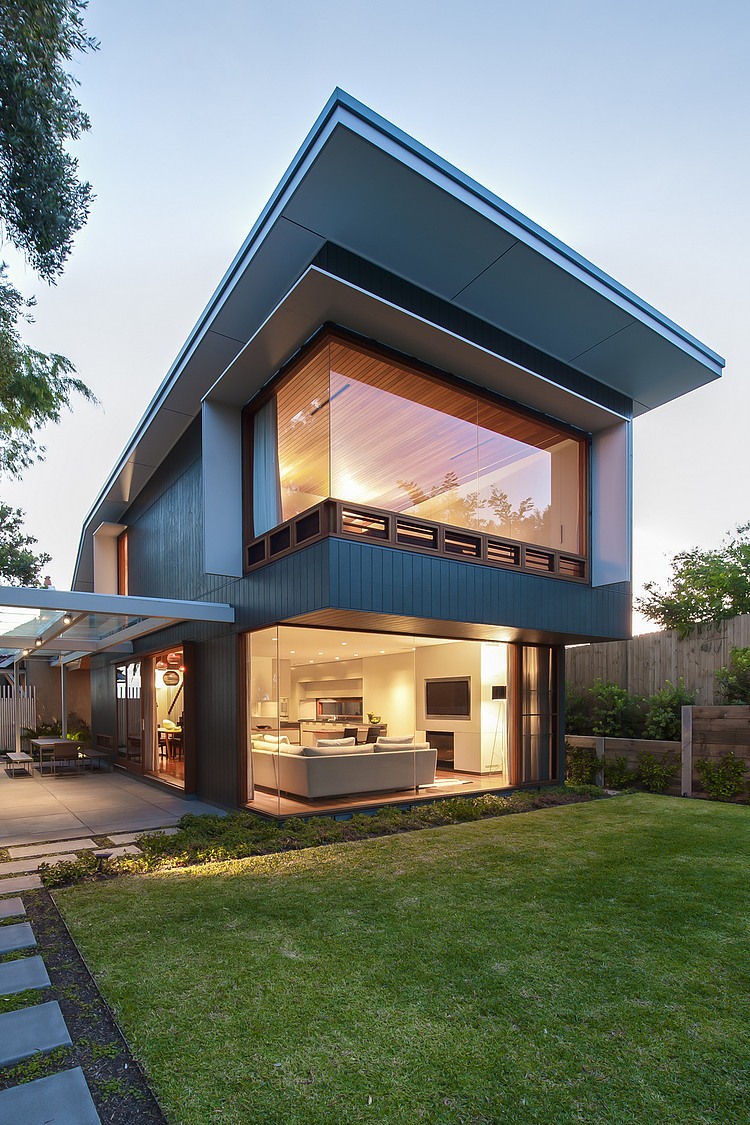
<point x="318" y="700"/>
<point x="360" y="426"/>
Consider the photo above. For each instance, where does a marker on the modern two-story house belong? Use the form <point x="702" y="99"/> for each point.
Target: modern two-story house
<point x="398" y="444"/>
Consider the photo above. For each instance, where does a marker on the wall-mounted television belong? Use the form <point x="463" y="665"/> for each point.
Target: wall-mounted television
<point x="448" y="699"/>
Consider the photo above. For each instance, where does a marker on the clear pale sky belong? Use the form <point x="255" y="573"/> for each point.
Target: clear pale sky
<point x="621" y="128"/>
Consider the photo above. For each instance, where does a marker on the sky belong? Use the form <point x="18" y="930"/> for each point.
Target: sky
<point x="620" y="128"/>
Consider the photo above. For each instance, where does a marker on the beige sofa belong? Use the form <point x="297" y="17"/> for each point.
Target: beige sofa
<point x="337" y="771"/>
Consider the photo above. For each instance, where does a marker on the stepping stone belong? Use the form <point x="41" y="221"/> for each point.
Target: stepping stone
<point x="118" y="838"/>
<point x="22" y="851"/>
<point x="17" y="866"/>
<point x="19" y="935"/>
<point x="22" y="883"/>
<point x="61" y="1099"/>
<point x="10" y="907"/>
<point x="129" y="849"/>
<point x="31" y="1030"/>
<point x="23" y="973"/>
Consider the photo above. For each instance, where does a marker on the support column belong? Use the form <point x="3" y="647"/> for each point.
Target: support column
<point x="16" y="709"/>
<point x="63" y="702"/>
<point x="687" y="751"/>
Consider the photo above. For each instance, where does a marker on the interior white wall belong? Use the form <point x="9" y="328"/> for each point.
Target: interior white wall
<point x="611" y="504"/>
<point x="388" y="690"/>
<point x="435" y="662"/>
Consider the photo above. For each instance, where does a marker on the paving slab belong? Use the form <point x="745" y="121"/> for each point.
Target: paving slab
<point x="20" y="883"/>
<point x="9" y="907"/>
<point x="30" y="1031"/>
<point x="17" y="866"/>
<point x="61" y="1099"/>
<point x="118" y="838"/>
<point x="22" y="852"/>
<point x="19" y="935"/>
<point x="127" y="849"/>
<point x="23" y="973"/>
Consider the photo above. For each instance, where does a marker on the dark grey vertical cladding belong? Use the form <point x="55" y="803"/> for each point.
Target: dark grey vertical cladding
<point x="383" y="580"/>
<point x="217" y="719"/>
<point x="343" y="574"/>
<point x="336" y="260"/>
<point x="300" y="583"/>
<point x="103" y="716"/>
<point x="165" y="527"/>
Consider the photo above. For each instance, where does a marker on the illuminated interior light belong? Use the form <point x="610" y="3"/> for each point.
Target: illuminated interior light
<point x="67" y="619"/>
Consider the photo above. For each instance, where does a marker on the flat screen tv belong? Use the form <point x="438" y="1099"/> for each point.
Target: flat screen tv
<point x="448" y="699"/>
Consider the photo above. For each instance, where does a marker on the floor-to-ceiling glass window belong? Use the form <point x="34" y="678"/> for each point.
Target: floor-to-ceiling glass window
<point x="167" y="758"/>
<point x="337" y="718"/>
<point x="356" y="423"/>
<point x="150" y="710"/>
<point x="536" y="694"/>
<point x="129" y="716"/>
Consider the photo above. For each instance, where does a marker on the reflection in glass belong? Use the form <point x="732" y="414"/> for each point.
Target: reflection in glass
<point x="357" y="426"/>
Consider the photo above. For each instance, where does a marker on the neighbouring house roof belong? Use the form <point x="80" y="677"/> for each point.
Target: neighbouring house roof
<point x="361" y="183"/>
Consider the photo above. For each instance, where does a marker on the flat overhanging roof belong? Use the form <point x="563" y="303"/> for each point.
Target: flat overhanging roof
<point x="68" y="624"/>
<point x="364" y="185"/>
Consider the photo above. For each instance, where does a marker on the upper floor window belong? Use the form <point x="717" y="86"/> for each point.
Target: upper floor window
<point x="354" y="424"/>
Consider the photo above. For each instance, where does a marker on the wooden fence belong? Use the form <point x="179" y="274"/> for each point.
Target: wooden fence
<point x="644" y="664"/>
<point x="8" y="714"/>
<point x="707" y="732"/>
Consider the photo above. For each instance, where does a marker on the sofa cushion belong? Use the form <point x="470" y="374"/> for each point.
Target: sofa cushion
<point x="337" y="741"/>
<point x="394" y="739"/>
<point x="380" y="748"/>
<point x="335" y="751"/>
<point x="275" y="738"/>
<point x="276" y="747"/>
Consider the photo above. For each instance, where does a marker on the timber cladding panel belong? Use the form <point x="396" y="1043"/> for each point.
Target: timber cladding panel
<point x="631" y="749"/>
<point x="644" y="664"/>
<point x="717" y="731"/>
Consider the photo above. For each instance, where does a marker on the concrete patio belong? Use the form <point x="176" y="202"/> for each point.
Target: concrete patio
<point x="35" y="808"/>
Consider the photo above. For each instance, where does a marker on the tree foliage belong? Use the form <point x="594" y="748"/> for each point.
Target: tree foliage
<point x="42" y="201"/>
<point x="43" y="204"/>
<point x="19" y="565"/>
<point x="34" y="387"/>
<point x="705" y="587"/>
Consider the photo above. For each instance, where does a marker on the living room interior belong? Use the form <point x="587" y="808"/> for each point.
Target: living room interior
<point x="308" y="687"/>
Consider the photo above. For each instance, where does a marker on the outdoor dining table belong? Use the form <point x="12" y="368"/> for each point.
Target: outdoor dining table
<point x="43" y="744"/>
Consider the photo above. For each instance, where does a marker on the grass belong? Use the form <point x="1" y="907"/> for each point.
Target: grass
<point x="580" y="964"/>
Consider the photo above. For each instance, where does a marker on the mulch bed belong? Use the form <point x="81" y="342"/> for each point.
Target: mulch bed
<point x="120" y="1091"/>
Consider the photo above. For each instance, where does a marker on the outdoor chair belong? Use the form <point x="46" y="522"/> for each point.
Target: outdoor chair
<point x="64" y="757"/>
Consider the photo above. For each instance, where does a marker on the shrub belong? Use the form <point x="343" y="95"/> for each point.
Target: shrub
<point x="656" y="775"/>
<point x="616" y="773"/>
<point x="664" y="711"/>
<point x="69" y="871"/>
<point x="617" y="713"/>
<point x="733" y="682"/>
<point x="577" y="711"/>
<point x="722" y="780"/>
<point x="581" y="764"/>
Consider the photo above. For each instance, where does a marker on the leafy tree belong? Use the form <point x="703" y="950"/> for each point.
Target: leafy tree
<point x="42" y="206"/>
<point x="18" y="564"/>
<point x="42" y="201"/>
<point x="705" y="586"/>
<point x="733" y="682"/>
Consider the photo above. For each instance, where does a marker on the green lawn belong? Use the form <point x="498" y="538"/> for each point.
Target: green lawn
<point x="581" y="964"/>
